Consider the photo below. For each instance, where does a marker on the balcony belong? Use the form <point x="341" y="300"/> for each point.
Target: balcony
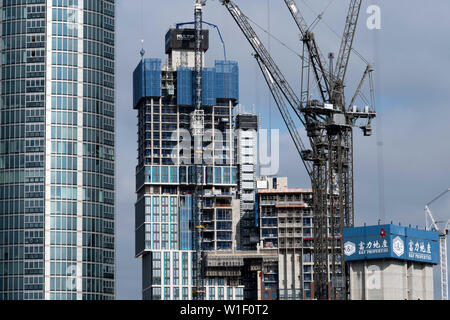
<point x="224" y="206"/>
<point x="270" y="236"/>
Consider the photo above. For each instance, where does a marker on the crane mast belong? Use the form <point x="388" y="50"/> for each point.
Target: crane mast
<point x="442" y="252"/>
<point x="197" y="131"/>
<point x="443" y="233"/>
<point x="316" y="57"/>
<point x="444" y="270"/>
<point x="329" y="127"/>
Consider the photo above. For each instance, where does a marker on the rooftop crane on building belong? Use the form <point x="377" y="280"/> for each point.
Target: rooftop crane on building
<point x="443" y="232"/>
<point x="329" y="125"/>
<point x="197" y="131"/>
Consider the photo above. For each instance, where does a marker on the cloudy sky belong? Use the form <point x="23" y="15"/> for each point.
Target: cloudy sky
<point x="411" y="55"/>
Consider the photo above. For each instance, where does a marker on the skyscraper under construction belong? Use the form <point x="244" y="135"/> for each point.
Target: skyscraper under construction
<point x="165" y="177"/>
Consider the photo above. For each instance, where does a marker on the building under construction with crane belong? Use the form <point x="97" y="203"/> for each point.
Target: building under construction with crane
<point x="179" y="176"/>
<point x="193" y="209"/>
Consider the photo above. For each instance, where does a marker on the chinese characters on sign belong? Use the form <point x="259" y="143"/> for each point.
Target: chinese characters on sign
<point x="391" y="242"/>
<point x="419" y="250"/>
<point x="371" y="247"/>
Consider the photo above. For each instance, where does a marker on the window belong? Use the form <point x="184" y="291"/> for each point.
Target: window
<point x="221" y="293"/>
<point x="226" y="176"/>
<point x="212" y="294"/>
<point x="156" y="174"/>
<point x="156" y="293"/>
<point x="217" y="175"/>
<point x="185" y="293"/>
<point x="173" y="175"/>
<point x="183" y="175"/>
<point x="164" y="174"/>
<point x="176" y="293"/>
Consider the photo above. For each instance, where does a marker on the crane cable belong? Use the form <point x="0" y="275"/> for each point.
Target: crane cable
<point x="275" y="38"/>
<point x="316" y="83"/>
<point x="380" y="141"/>
<point x="142" y="19"/>
<point x="319" y="18"/>
<point x="269" y="47"/>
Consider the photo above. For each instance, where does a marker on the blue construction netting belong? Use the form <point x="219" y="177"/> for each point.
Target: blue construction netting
<point x="227" y="80"/>
<point x="185" y="86"/>
<point x="209" y="86"/>
<point x="147" y="80"/>
<point x="221" y="82"/>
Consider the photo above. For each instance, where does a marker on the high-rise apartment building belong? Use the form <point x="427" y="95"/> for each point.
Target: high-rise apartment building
<point x="165" y="180"/>
<point x="246" y="125"/>
<point x="286" y="226"/>
<point x="57" y="113"/>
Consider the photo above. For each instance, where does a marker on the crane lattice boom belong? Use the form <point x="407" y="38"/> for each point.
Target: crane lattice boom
<point x="329" y="127"/>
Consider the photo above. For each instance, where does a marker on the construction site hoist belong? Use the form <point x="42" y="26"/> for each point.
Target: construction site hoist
<point x="329" y="123"/>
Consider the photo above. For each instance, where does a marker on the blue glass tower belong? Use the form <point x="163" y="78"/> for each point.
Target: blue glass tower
<point x="57" y="114"/>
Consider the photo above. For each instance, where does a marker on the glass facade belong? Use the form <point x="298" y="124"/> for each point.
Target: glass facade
<point x="57" y="113"/>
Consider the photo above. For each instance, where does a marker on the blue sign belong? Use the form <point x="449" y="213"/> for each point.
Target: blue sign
<point x="391" y="242"/>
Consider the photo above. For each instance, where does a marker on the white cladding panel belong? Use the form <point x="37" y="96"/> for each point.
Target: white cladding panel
<point x="248" y="197"/>
<point x="248" y="185"/>
<point x="262" y="184"/>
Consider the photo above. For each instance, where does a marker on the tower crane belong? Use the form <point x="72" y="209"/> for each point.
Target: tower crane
<point x="329" y="126"/>
<point x="442" y="244"/>
<point x="197" y="131"/>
